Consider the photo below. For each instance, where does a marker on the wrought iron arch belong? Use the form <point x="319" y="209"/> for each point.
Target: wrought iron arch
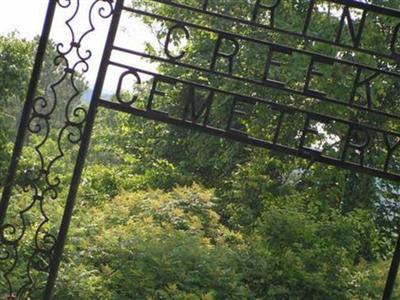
<point x="43" y="185"/>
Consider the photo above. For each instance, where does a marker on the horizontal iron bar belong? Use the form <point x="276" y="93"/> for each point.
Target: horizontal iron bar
<point x="252" y="81"/>
<point x="391" y="12"/>
<point x="262" y="100"/>
<point x="262" y="42"/>
<point x="274" y="28"/>
<point x="245" y="139"/>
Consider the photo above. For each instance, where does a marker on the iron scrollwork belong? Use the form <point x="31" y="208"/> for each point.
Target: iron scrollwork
<point x="42" y="182"/>
<point x="354" y="137"/>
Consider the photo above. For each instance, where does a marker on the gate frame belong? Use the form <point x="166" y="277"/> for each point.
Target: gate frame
<point x="85" y="141"/>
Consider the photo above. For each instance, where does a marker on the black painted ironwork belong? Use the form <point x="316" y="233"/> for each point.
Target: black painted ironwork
<point x="351" y="138"/>
<point x="85" y="138"/>
<point x="9" y="245"/>
<point x="43" y="183"/>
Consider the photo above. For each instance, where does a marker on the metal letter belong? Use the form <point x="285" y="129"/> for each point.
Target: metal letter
<point x="190" y="102"/>
<point x="271" y="62"/>
<point x="355" y="37"/>
<point x="361" y="146"/>
<point x="228" y="56"/>
<point x="154" y="92"/>
<point x="395" y="38"/>
<point x="367" y="83"/>
<point x="312" y="71"/>
<point x="271" y="8"/>
<point x="168" y="40"/>
<point x="119" y="87"/>
<point x="391" y="147"/>
<point x="234" y="111"/>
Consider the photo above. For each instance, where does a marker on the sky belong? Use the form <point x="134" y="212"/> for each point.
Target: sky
<point x="27" y="17"/>
<point x="17" y="15"/>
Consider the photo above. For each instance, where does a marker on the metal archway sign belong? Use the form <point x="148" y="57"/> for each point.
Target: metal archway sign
<point x="357" y="141"/>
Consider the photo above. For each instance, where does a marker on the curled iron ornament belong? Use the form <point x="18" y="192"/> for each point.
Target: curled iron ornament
<point x="42" y="181"/>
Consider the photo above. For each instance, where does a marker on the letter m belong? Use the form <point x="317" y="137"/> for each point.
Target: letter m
<point x="197" y="104"/>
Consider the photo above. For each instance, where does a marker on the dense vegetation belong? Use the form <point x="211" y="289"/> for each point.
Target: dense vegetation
<point x="165" y="213"/>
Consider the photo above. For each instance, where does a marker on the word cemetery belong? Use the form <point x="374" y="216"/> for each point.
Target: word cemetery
<point x="316" y="79"/>
<point x="352" y="137"/>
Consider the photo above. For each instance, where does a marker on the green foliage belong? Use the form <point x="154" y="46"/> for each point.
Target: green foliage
<point x="154" y="245"/>
<point x="370" y="279"/>
<point x="309" y="257"/>
<point x="15" y="66"/>
<point x="259" y="226"/>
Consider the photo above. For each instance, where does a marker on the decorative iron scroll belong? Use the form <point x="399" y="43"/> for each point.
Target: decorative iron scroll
<point x="43" y="183"/>
<point x="350" y="127"/>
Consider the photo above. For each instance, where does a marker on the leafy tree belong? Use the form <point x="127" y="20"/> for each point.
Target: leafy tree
<point x="15" y="66"/>
<point x="260" y="225"/>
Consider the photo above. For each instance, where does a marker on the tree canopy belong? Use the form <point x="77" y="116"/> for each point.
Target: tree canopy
<point x="168" y="213"/>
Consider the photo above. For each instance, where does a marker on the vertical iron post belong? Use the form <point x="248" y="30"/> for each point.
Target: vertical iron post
<point x="80" y="161"/>
<point x="24" y="120"/>
<point x="394" y="267"/>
